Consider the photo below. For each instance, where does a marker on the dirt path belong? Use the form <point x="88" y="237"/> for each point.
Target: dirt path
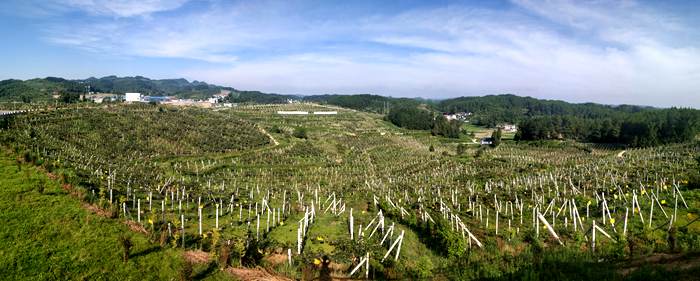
<point x="274" y="141"/>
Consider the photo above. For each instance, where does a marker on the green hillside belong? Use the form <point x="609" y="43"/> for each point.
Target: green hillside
<point x="43" y="89"/>
<point x="48" y="234"/>
<point x="245" y="182"/>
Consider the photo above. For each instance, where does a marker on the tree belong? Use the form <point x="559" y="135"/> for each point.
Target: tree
<point x="441" y="126"/>
<point x="26" y="99"/>
<point x="496" y="138"/>
<point x="67" y="97"/>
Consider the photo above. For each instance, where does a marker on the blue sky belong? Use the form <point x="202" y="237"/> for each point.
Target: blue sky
<point x="613" y="52"/>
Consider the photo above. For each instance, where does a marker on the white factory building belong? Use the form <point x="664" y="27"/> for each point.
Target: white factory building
<point x="132" y="97"/>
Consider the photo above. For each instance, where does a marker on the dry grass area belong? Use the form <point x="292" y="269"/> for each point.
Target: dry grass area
<point x="486" y="133"/>
<point x="254" y="274"/>
<point x="196" y="256"/>
<point x="96" y="210"/>
<point x="276" y="259"/>
<point x="136" y="227"/>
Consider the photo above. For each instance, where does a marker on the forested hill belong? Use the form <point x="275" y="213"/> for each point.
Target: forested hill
<point x="42" y="89"/>
<point x="37" y="89"/>
<point x="365" y="102"/>
<point x="538" y="119"/>
<point x="490" y="110"/>
<point x="163" y="87"/>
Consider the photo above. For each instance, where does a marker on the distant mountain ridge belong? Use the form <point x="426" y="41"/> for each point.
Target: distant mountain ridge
<point x="42" y="89"/>
<point x="492" y="108"/>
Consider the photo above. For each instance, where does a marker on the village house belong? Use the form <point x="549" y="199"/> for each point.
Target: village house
<point x="508" y="128"/>
<point x="100" y="97"/>
<point x="461" y="116"/>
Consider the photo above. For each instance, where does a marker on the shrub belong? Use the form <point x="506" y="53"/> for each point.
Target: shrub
<point x="253" y="255"/>
<point x="225" y="254"/>
<point x="300" y="132"/>
<point x="672" y="239"/>
<point x="164" y="236"/>
<point x="276" y="129"/>
<point x="424" y="268"/>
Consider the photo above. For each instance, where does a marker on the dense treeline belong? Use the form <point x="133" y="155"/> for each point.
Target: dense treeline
<point x="414" y="118"/>
<point x="639" y="129"/>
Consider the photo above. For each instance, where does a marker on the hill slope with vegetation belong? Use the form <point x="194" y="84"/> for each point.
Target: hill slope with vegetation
<point x="538" y="119"/>
<point x="492" y="109"/>
<point x="257" y="192"/>
<point x="163" y="87"/>
<point x="48" y="234"/>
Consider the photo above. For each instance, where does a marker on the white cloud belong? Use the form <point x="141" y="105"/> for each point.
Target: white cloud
<point x="609" y="52"/>
<point x="625" y="22"/>
<point x="485" y="53"/>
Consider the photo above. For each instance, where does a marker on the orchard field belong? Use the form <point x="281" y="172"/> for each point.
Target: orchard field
<point x="246" y="193"/>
